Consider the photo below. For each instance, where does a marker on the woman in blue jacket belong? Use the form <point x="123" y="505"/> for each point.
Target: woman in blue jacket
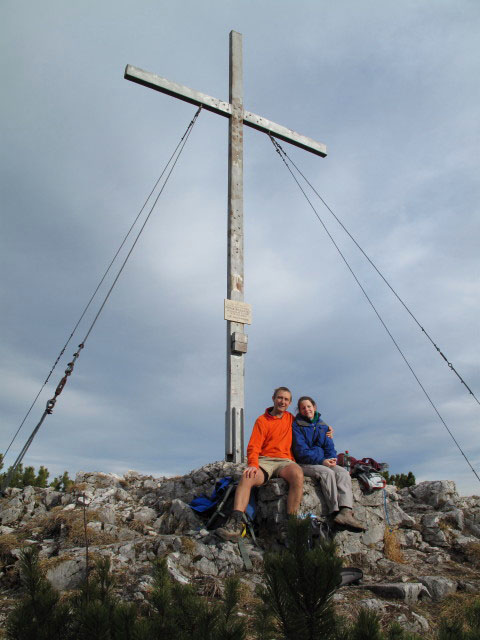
<point x="316" y="454"/>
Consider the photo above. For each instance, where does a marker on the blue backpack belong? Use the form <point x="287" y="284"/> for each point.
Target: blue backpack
<point x="219" y="505"/>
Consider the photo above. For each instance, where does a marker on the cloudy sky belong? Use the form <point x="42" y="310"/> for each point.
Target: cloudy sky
<point x="392" y="90"/>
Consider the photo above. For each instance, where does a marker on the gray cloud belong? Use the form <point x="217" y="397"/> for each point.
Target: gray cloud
<point x="390" y="88"/>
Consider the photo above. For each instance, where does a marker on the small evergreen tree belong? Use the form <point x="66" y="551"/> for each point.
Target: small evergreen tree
<point x="366" y="627"/>
<point x="39" y="615"/>
<point x="62" y="483"/>
<point x="299" y="585"/>
<point x="400" y="480"/>
<point x="94" y="607"/>
<point x="396" y="632"/>
<point x="178" y="613"/>
<point x="21" y="477"/>
<point x="42" y="477"/>
<point x="28" y="477"/>
<point x="16" y="479"/>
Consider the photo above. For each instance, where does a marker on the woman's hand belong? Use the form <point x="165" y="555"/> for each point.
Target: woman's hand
<point x="329" y="462"/>
<point x="330" y="432"/>
<point x="250" y="472"/>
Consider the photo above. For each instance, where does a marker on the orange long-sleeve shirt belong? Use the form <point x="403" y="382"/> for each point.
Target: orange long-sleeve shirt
<point x="271" y="436"/>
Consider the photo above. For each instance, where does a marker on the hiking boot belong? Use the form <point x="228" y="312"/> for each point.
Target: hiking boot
<point x="346" y="518"/>
<point x="233" y="528"/>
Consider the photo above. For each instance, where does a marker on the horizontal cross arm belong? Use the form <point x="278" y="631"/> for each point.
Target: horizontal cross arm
<point x="278" y="131"/>
<point x="153" y="81"/>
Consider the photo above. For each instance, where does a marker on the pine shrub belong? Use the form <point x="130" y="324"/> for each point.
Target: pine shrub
<point x="39" y="615"/>
<point x="299" y="584"/>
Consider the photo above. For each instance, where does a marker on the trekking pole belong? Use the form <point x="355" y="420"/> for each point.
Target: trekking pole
<point x="218" y="510"/>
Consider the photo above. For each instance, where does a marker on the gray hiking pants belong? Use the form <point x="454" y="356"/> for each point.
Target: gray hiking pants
<point x="335" y="483"/>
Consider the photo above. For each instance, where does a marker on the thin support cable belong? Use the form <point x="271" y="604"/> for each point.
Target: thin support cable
<point x="190" y="127"/>
<point x="62" y="351"/>
<point x="437" y="348"/>
<point x="278" y="148"/>
<point x="51" y="403"/>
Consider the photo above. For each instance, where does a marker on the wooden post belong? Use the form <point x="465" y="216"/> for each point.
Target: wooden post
<point x="234" y="415"/>
<point x="237" y="313"/>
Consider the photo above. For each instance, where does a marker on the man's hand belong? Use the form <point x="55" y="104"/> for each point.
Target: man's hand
<point x="250" y="472"/>
<point x="329" y="462"/>
<point x="330" y="432"/>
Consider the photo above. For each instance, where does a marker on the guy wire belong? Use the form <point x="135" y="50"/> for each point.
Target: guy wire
<point x="62" y="351"/>
<point x="283" y="155"/>
<point x="437" y="348"/>
<point x="52" y="401"/>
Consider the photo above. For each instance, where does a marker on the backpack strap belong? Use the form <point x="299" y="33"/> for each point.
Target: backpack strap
<point x="218" y="510"/>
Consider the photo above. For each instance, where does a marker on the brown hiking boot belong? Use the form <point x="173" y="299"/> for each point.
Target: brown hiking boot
<point x="346" y="518"/>
<point x="233" y="528"/>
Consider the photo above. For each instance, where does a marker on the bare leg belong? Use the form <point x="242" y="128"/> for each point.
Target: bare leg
<point x="242" y="492"/>
<point x="293" y="474"/>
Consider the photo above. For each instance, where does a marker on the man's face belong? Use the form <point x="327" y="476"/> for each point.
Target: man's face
<point x="282" y="401"/>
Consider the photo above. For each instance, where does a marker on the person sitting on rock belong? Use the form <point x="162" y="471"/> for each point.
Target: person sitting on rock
<point x="269" y="455"/>
<point x="316" y="454"/>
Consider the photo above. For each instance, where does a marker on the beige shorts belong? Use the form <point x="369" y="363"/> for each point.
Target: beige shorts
<point x="271" y="466"/>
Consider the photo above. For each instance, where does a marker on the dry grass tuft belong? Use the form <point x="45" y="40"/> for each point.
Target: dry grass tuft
<point x="8" y="542"/>
<point x="46" y="564"/>
<point x="208" y="586"/>
<point x="454" y="605"/>
<point x="136" y="525"/>
<point x="391" y="546"/>
<point x="71" y="525"/>
<point x="472" y="550"/>
<point x="188" y="545"/>
<point x="76" y="487"/>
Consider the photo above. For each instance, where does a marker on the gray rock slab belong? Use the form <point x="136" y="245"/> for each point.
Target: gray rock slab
<point x="398" y="517"/>
<point x="205" y="567"/>
<point x="53" y="499"/>
<point x="436" y="493"/>
<point x="438" y="586"/>
<point x="174" y="570"/>
<point x="145" y="515"/>
<point x="374" y="605"/>
<point x="67" y="575"/>
<point x="11" y="514"/>
<point x="410" y="592"/>
<point x="373" y="534"/>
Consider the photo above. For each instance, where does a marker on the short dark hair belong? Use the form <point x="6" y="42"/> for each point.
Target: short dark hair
<point x="302" y="399"/>
<point x="282" y="389"/>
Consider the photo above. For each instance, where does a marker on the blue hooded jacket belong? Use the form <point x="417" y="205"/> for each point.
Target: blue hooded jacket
<point x="310" y="444"/>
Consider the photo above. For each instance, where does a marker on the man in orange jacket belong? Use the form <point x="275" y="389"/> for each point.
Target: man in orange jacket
<point x="269" y="455"/>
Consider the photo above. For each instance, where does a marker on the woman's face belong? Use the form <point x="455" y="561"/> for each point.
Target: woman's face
<point x="307" y="409"/>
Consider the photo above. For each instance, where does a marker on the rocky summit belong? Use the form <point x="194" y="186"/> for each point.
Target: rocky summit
<point x="420" y="552"/>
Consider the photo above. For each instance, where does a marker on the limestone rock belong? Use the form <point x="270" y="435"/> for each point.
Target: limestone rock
<point x="408" y="591"/>
<point x="11" y="514"/>
<point x="68" y="574"/>
<point x="136" y="519"/>
<point x="439" y="587"/>
<point x="437" y="493"/>
<point x="145" y="514"/>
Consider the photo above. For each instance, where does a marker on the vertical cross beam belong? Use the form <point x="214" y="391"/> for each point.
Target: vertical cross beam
<point x="234" y="111"/>
<point x="234" y="415"/>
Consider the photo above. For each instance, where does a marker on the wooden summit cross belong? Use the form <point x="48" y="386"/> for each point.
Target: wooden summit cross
<point x="237" y="312"/>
